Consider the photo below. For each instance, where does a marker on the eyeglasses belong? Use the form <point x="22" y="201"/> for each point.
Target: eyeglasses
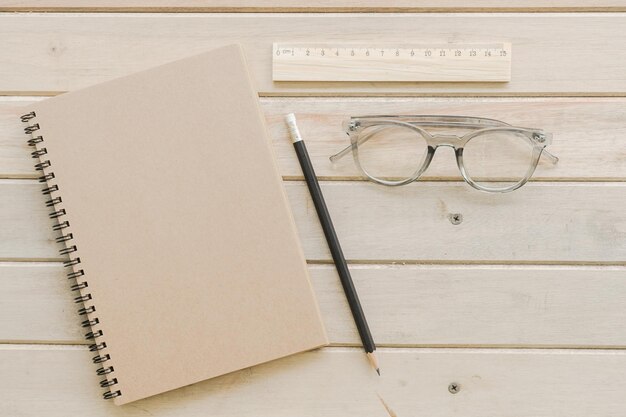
<point x="492" y="155"/>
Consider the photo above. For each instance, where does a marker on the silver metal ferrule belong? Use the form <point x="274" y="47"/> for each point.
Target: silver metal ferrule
<point x="293" y="128"/>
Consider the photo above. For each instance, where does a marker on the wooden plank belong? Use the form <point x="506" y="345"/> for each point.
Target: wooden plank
<point x="25" y="229"/>
<point x="301" y="6"/>
<point x="61" y="381"/>
<point x="410" y="305"/>
<point x="587" y="150"/>
<point x="37" y="304"/>
<point x="588" y="132"/>
<point x="62" y="52"/>
<point x="15" y="158"/>
<point x="539" y="223"/>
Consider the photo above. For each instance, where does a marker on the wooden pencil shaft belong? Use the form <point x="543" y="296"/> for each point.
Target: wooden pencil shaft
<point x="335" y="247"/>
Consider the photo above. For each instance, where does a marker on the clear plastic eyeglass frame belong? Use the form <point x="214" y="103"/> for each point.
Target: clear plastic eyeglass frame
<point x="355" y="126"/>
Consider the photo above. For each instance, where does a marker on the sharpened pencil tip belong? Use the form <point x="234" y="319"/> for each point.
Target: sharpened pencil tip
<point x="371" y="357"/>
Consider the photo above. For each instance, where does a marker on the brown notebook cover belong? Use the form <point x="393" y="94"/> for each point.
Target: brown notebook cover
<point x="181" y="224"/>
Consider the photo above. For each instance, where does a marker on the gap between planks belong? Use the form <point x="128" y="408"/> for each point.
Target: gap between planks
<point x="357" y="349"/>
<point x="355" y="263"/>
<point x="374" y="94"/>
<point x="358" y="179"/>
<point x="180" y="7"/>
<point x="400" y="264"/>
<point x="394" y="346"/>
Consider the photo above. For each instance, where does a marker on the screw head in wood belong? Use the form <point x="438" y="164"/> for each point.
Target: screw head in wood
<point x="455" y="218"/>
<point x="454" y="387"/>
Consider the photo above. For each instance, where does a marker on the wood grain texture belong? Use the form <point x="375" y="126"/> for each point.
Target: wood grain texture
<point x="406" y="305"/>
<point x="317" y="6"/>
<point x="588" y="132"/>
<point x="540" y="223"/>
<point x="61" y="381"/>
<point x="25" y="229"/>
<point x="15" y="158"/>
<point x="554" y="53"/>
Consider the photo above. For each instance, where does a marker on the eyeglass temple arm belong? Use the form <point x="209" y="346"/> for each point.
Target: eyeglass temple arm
<point x="334" y="158"/>
<point x="553" y="158"/>
<point x="346" y="150"/>
<point x="341" y="153"/>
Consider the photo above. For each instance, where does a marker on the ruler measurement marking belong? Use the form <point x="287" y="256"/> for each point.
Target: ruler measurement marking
<point x="406" y="62"/>
<point x="309" y="51"/>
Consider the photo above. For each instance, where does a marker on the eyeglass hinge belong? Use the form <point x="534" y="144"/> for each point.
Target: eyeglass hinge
<point x="539" y="137"/>
<point x="352" y="126"/>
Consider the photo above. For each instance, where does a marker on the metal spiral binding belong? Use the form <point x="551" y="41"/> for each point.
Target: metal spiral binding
<point x="72" y="263"/>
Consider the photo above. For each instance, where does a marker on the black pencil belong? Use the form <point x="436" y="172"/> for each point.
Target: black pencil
<point x="333" y="241"/>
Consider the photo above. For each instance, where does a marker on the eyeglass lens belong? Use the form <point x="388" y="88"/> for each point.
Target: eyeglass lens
<point x="493" y="159"/>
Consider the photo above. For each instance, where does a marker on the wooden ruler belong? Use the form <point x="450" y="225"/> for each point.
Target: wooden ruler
<point x="475" y="62"/>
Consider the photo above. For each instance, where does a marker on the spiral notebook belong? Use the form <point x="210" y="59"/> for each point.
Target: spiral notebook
<point x="179" y="236"/>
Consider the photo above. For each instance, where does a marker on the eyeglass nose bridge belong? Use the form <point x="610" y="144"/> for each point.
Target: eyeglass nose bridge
<point x="444" y="140"/>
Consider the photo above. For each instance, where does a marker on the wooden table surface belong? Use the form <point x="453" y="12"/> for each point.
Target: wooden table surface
<point x="522" y="305"/>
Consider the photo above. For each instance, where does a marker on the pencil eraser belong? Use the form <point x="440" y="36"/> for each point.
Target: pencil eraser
<point x="293" y="127"/>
